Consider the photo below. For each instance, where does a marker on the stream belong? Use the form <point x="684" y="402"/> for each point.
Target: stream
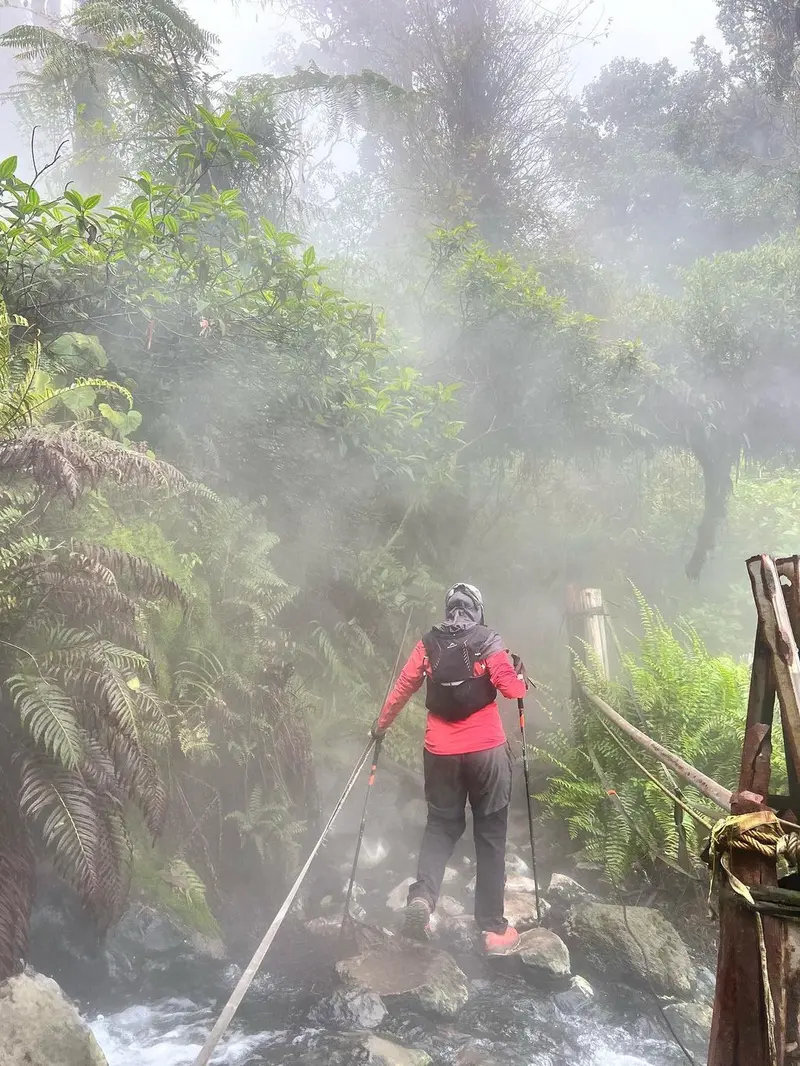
<point x="504" y="1024"/>
<point x="151" y="997"/>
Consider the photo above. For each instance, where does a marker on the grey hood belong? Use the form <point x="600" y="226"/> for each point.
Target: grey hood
<point x="463" y="610"/>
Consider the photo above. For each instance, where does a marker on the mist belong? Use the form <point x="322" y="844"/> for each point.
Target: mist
<point x="309" y="312"/>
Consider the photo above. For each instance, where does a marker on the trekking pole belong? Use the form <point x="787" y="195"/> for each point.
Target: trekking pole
<point x="521" y="707"/>
<point x="376" y="751"/>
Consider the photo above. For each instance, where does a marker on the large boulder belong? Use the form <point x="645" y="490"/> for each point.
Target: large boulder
<point x="544" y="955"/>
<point x="635" y="944"/>
<point x="40" y="1027"/>
<point x="411" y="973"/>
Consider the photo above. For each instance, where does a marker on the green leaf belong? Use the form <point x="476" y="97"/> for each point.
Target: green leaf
<point x="124" y="422"/>
<point x="78" y="400"/>
<point x="8" y="167"/>
<point x="78" y="353"/>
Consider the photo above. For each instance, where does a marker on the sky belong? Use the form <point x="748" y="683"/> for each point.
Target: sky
<point x="644" y="29"/>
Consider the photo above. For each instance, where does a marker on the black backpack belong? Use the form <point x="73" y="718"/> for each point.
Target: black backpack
<point x="453" y="691"/>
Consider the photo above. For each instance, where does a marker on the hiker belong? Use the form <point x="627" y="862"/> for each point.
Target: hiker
<point x="466" y="755"/>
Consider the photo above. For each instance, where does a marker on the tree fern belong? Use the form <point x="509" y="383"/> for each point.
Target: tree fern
<point x="80" y="716"/>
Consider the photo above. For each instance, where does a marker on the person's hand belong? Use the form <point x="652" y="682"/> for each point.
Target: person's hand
<point x="376" y="732"/>
<point x="519" y="668"/>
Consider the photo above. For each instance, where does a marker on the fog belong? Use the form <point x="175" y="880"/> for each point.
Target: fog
<point x="308" y="312"/>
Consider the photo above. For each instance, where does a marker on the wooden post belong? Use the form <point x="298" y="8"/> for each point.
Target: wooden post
<point x="587" y="628"/>
<point x="739" y="1032"/>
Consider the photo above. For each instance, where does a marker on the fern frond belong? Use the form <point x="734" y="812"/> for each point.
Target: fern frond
<point x="46" y="712"/>
<point x="17" y="882"/>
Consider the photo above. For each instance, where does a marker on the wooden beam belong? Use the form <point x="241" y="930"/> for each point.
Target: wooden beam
<point x="739" y="1031"/>
<point x="774" y="616"/>
<point x="710" y="789"/>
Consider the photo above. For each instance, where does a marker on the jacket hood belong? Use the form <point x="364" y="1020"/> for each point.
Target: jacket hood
<point x="463" y="610"/>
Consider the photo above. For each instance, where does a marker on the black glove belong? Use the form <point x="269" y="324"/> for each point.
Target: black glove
<point x="376" y="732"/>
<point x="519" y="669"/>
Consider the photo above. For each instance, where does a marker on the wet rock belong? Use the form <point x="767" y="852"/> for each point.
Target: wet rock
<point x="520" y="883"/>
<point x="692" y="1023"/>
<point x="357" y="1049"/>
<point x="357" y="912"/>
<point x="544" y="954"/>
<point x="634" y="943"/>
<point x="373" y="854"/>
<point x="349" y="1008"/>
<point x="328" y="926"/>
<point x="575" y="998"/>
<point x="358" y="890"/>
<point x="473" y="1055"/>
<point x="459" y="933"/>
<point x="398" y="897"/>
<point x="415" y="814"/>
<point x="564" y="890"/>
<point x="516" y="865"/>
<point x="208" y="947"/>
<point x="146" y="930"/>
<point x="40" y="1027"/>
<point x="414" y="973"/>
<point x="520" y="910"/>
<point x="450" y="907"/>
<point x="450" y="875"/>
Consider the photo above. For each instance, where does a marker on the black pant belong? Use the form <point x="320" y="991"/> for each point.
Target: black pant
<point x="484" y="777"/>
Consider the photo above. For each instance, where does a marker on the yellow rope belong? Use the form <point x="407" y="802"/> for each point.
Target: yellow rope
<point x="761" y="832"/>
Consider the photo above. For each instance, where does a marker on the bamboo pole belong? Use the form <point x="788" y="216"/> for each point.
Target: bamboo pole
<point x="709" y="788"/>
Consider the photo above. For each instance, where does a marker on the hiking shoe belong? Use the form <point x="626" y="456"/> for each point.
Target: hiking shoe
<point x="501" y="943"/>
<point x="417" y="922"/>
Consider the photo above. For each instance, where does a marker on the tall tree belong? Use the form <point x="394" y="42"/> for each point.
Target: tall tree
<point x="487" y="77"/>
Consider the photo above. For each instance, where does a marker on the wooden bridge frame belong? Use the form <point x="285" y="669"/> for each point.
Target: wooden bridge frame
<point x="739" y="1034"/>
<point x="740" y="1027"/>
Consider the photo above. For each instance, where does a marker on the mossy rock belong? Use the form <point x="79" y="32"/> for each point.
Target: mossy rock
<point x="636" y="944"/>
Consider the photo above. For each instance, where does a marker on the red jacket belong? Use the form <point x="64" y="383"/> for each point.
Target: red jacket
<point x="479" y="732"/>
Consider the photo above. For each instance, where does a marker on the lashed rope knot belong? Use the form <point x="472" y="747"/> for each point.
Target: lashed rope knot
<point x="761" y="831"/>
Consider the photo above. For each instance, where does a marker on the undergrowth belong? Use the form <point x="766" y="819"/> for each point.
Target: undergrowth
<point x="693" y="703"/>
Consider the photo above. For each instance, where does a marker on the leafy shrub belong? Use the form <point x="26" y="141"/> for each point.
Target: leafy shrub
<point x="690" y="701"/>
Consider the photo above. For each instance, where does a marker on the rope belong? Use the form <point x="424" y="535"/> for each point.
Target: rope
<point x="238" y="994"/>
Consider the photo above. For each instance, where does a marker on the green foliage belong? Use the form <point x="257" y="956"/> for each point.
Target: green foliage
<point x="691" y="702"/>
<point x="80" y="716"/>
<point x="171" y="884"/>
<point x="545" y="381"/>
